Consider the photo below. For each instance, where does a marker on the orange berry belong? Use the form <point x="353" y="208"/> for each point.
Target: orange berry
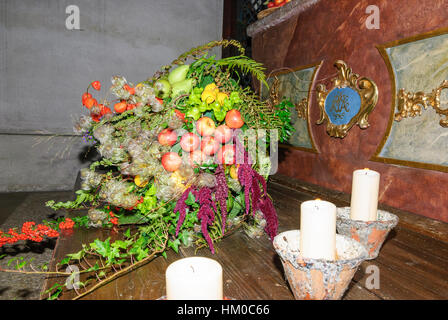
<point x="120" y="107"/>
<point x="129" y="89"/>
<point x="90" y="102"/>
<point x="85" y="95"/>
<point x="96" y="85"/>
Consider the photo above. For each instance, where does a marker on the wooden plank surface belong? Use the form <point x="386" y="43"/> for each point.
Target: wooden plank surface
<point x="411" y="265"/>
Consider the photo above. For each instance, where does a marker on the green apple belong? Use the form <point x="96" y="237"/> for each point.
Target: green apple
<point x="163" y="88"/>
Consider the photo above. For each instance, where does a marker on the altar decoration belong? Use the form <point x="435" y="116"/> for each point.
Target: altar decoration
<point x="176" y="166"/>
<point x="371" y="234"/>
<point x="362" y="221"/>
<point x="418" y="91"/>
<point x="194" y="278"/>
<point x="364" y="197"/>
<point x="318" y="279"/>
<point x="318" y="229"/>
<point x="349" y="102"/>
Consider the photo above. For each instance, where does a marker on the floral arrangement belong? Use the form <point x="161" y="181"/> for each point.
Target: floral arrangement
<point x="176" y="168"/>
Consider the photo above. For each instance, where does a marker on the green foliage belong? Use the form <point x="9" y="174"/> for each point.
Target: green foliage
<point x="246" y="65"/>
<point x="54" y="291"/>
<point x="283" y="112"/>
<point x="83" y="197"/>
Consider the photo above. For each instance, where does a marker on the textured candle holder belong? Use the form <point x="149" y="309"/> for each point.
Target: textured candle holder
<point x="371" y="234"/>
<point x="316" y="279"/>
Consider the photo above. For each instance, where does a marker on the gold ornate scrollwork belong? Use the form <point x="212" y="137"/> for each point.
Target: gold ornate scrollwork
<point x="367" y="91"/>
<point x="273" y="92"/>
<point x="302" y="108"/>
<point x="411" y="104"/>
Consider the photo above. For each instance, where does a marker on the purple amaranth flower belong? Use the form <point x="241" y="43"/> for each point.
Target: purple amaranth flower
<point x="181" y="207"/>
<point x="221" y="193"/>
<point x="251" y="180"/>
<point x="205" y="213"/>
<point x="267" y="208"/>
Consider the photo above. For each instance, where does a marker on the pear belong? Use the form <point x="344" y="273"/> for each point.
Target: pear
<point x="182" y="87"/>
<point x="163" y="88"/>
<point x="178" y="74"/>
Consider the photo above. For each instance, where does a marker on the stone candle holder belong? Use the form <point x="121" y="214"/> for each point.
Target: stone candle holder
<point x="371" y="234"/>
<point x="316" y="279"/>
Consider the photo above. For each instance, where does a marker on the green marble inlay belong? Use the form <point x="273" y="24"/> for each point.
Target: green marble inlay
<point x="295" y="86"/>
<point x="420" y="66"/>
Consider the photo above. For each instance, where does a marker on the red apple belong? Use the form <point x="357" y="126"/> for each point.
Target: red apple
<point x="233" y="119"/>
<point x="209" y="145"/>
<point x="171" y="161"/>
<point x="189" y="142"/>
<point x="227" y="154"/>
<point x="205" y="126"/>
<point x="223" y="134"/>
<point x="196" y="158"/>
<point x="167" y="137"/>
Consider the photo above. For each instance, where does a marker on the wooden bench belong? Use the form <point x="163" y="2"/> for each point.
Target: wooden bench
<point x="412" y="262"/>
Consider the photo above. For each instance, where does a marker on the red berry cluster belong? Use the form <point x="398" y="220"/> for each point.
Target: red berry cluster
<point x="29" y="231"/>
<point x="113" y="220"/>
<point x="67" y="224"/>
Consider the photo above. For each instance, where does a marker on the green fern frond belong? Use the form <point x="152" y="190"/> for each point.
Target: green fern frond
<point x="246" y="65"/>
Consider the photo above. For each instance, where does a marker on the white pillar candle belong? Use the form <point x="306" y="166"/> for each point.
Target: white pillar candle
<point x="364" y="200"/>
<point x="194" y="278"/>
<point x="318" y="230"/>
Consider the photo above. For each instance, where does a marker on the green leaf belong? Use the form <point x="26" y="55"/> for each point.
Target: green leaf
<point x="121" y="244"/>
<point x="151" y="191"/>
<point x="21" y="265"/>
<point x="96" y="267"/>
<point x="135" y="218"/>
<point x="206" y="81"/>
<point x="64" y="261"/>
<point x="76" y="256"/>
<point x="102" y="247"/>
<point x="184" y="236"/>
<point x="141" y="254"/>
<point x="191" y="199"/>
<point x="174" y="244"/>
<point x="11" y="261"/>
<point x="127" y="234"/>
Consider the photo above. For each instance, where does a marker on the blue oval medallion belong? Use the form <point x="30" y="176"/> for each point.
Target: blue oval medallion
<point x="342" y="104"/>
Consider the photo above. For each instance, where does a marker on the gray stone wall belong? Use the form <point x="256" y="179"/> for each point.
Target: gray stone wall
<point x="45" y="68"/>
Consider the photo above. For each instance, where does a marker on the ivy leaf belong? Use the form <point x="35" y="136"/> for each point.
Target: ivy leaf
<point x="174" y="244"/>
<point x="102" y="247"/>
<point x="191" y="199"/>
<point x="121" y="244"/>
<point x="76" y="256"/>
<point x="11" y="261"/>
<point x="184" y="237"/>
<point x="151" y="191"/>
<point x="96" y="267"/>
<point x="21" y="265"/>
<point x="127" y="234"/>
<point x="136" y="218"/>
<point x="141" y="254"/>
<point x="64" y="261"/>
<point x="56" y="294"/>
